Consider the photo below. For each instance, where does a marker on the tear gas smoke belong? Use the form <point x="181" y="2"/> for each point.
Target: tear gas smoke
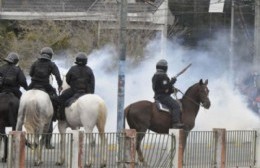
<point x="228" y="107"/>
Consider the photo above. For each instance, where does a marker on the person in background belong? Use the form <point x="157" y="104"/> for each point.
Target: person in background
<point x="40" y="73"/>
<point x="81" y="80"/>
<point x="163" y="88"/>
<point x="12" y="77"/>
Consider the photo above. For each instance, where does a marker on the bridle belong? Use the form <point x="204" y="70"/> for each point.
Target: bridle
<point x="193" y="101"/>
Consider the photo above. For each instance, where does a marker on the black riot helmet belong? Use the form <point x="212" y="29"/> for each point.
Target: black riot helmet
<point x="162" y="65"/>
<point x="12" y="58"/>
<point x="46" y="53"/>
<point x="81" y="58"/>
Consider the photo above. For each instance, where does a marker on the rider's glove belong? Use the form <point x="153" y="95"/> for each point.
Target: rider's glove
<point x="60" y="89"/>
<point x="173" y="80"/>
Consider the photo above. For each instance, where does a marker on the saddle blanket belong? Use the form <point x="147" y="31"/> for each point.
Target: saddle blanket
<point x="162" y="107"/>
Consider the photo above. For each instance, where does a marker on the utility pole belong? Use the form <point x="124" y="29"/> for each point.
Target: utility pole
<point x="256" y="59"/>
<point x="121" y="70"/>
<point x="164" y="31"/>
<point x="231" y="57"/>
<point x="121" y="81"/>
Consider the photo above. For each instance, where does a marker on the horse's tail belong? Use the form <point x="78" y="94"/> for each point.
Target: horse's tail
<point x="32" y="115"/>
<point x="127" y="111"/>
<point x="102" y="114"/>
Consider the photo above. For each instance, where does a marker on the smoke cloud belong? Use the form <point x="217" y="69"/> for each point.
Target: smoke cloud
<point x="209" y="61"/>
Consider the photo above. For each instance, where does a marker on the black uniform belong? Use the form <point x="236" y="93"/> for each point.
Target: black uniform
<point x="163" y="88"/>
<point x="40" y="73"/>
<point x="13" y="79"/>
<point x="80" y="79"/>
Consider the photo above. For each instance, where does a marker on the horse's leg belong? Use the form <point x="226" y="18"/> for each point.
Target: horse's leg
<point x="38" y="149"/>
<point x="62" y="125"/>
<point x="139" y="139"/>
<point x="5" y="138"/>
<point x="40" y="143"/>
<point x="20" y="119"/>
<point x="101" y="130"/>
<point x="186" y="134"/>
<point x="90" y="138"/>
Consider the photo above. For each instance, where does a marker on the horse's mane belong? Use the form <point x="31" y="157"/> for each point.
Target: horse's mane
<point x="191" y="87"/>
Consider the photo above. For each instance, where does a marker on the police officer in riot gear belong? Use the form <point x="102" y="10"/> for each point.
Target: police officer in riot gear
<point x="12" y="75"/>
<point x="163" y="88"/>
<point x="40" y="73"/>
<point x="81" y="80"/>
<point x="41" y="70"/>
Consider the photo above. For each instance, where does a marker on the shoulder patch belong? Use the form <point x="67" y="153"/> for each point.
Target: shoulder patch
<point x="165" y="82"/>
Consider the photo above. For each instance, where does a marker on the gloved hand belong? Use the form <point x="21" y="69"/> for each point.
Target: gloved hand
<point x="176" y="90"/>
<point x="60" y="89"/>
<point x="173" y="80"/>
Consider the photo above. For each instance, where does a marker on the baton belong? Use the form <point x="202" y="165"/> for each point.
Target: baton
<point x="182" y="71"/>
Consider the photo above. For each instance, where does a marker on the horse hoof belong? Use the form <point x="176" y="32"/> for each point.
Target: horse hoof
<point x="3" y="160"/>
<point x="37" y="163"/>
<point x="88" y="165"/>
<point x="103" y="165"/>
<point x="58" y="164"/>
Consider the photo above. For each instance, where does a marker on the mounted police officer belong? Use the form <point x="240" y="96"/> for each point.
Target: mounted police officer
<point x="81" y="80"/>
<point x="40" y="73"/>
<point x="12" y="76"/>
<point x="163" y="88"/>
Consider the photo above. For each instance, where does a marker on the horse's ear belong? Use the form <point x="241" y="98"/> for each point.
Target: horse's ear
<point x="201" y="82"/>
<point x="206" y="81"/>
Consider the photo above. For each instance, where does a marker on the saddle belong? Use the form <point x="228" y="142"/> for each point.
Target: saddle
<point x="161" y="107"/>
<point x="73" y="99"/>
<point x="39" y="87"/>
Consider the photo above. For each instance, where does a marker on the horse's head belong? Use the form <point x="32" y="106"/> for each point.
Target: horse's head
<point x="203" y="93"/>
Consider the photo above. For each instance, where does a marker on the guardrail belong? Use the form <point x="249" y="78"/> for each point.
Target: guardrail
<point x="218" y="148"/>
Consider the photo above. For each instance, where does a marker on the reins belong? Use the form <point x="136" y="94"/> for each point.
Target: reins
<point x="199" y="104"/>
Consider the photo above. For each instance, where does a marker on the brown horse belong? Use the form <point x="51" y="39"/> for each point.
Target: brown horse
<point x="143" y="115"/>
<point x="9" y="105"/>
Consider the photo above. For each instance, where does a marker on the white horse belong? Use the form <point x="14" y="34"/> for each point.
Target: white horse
<point x="35" y="113"/>
<point x="87" y="111"/>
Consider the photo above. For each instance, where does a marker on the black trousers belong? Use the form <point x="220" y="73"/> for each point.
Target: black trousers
<point x="15" y="91"/>
<point x="66" y="95"/>
<point x="45" y="86"/>
<point x="172" y="104"/>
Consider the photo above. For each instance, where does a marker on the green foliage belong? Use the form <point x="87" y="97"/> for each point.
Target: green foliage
<point x="28" y="37"/>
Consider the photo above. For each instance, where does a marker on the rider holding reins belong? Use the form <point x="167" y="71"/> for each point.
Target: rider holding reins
<point x="41" y="70"/>
<point x="12" y="76"/>
<point x="163" y="88"/>
<point x="81" y="80"/>
<point x="40" y="73"/>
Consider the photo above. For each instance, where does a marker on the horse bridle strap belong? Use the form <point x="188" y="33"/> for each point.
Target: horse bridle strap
<point x="199" y="104"/>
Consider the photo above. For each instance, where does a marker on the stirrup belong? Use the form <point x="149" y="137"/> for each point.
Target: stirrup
<point x="178" y="125"/>
<point x="49" y="146"/>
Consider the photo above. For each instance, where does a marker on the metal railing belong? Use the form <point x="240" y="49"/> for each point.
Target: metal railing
<point x="159" y="150"/>
<point x="241" y="148"/>
<point x="72" y="6"/>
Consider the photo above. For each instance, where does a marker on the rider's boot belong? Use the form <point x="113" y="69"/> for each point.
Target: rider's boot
<point x="178" y="125"/>
<point x="61" y="112"/>
<point x="48" y="142"/>
<point x="176" y="120"/>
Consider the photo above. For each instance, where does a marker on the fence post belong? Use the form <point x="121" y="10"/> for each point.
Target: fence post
<point x="77" y="149"/>
<point x="178" y="147"/>
<point x="16" y="148"/>
<point x="130" y="142"/>
<point x="257" y="156"/>
<point x="220" y="146"/>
